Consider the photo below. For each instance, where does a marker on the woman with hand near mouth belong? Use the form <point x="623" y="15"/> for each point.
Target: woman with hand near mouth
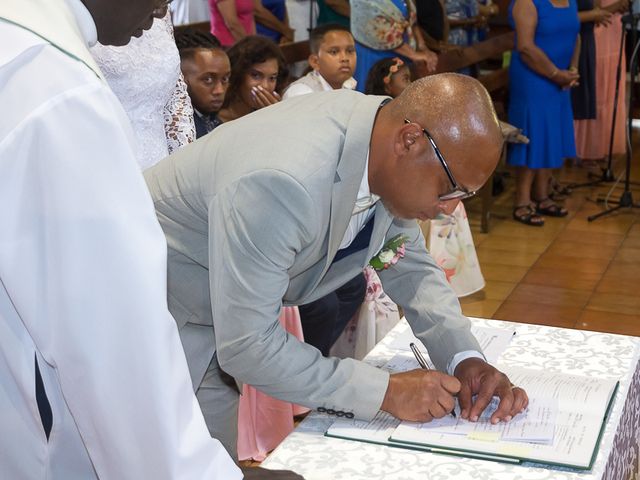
<point x="258" y="73"/>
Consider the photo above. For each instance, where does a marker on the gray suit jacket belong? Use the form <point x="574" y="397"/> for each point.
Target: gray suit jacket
<point x="254" y="213"/>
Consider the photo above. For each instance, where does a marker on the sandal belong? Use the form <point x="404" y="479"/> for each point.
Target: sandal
<point x="551" y="209"/>
<point x="528" y="217"/>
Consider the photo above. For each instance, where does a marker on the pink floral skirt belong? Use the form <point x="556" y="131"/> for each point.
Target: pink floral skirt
<point x="263" y="421"/>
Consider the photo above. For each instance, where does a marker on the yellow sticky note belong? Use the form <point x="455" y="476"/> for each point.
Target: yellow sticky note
<point x="514" y="450"/>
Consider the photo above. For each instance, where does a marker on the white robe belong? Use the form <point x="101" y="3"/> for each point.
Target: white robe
<point x="83" y="275"/>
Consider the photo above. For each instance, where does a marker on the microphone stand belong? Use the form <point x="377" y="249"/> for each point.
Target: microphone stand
<point x="607" y="173"/>
<point x="626" y="199"/>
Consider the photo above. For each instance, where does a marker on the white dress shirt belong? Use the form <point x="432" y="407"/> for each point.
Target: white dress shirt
<point x="83" y="275"/>
<point x="362" y="212"/>
<point x="314" y="82"/>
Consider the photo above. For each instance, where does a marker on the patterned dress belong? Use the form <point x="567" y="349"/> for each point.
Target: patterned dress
<point x="145" y="76"/>
<point x="378" y="28"/>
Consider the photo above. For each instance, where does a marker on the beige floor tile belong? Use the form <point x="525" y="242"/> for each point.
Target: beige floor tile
<point x="611" y="322"/>
<point x="553" y="315"/>
<point x="615" y="282"/>
<point x="570" y="279"/>
<point x="503" y="273"/>
<point x="634" y="231"/>
<point x="520" y="244"/>
<point x="628" y="255"/>
<point x="616" y="224"/>
<point x="631" y="242"/>
<point x="585" y="265"/>
<point x="580" y="250"/>
<point x="493" y="290"/>
<point x="544" y="295"/>
<point x="615" y="302"/>
<point x="506" y="257"/>
<point x="594" y="238"/>
<point x="482" y="309"/>
<point x="519" y="230"/>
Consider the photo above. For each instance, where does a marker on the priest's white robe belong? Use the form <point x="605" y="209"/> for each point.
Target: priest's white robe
<point x="83" y="274"/>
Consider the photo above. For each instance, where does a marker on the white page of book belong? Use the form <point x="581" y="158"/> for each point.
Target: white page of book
<point x="403" y="362"/>
<point x="535" y="425"/>
<point x="378" y="430"/>
<point x="570" y="390"/>
<point x="493" y="341"/>
<point x="582" y="402"/>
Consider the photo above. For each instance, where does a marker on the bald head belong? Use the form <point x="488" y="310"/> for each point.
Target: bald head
<point x="456" y="107"/>
<point x="458" y="113"/>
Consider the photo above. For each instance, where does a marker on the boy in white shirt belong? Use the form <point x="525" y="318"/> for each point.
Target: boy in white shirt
<point x="333" y="60"/>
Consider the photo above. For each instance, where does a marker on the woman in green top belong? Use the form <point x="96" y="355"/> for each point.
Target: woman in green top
<point x="334" y="11"/>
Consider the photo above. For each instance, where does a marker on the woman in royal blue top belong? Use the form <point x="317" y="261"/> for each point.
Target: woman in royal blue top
<point x="543" y="69"/>
<point x="272" y="20"/>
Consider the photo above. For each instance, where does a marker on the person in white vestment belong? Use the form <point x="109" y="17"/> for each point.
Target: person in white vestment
<point x="93" y="379"/>
<point x="145" y="76"/>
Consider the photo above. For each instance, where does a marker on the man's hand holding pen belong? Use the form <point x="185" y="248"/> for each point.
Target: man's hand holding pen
<point x="422" y="395"/>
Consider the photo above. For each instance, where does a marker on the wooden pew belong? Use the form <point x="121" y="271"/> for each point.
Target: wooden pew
<point x="295" y="52"/>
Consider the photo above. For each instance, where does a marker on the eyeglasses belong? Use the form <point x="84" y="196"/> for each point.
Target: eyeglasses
<point x="458" y="192"/>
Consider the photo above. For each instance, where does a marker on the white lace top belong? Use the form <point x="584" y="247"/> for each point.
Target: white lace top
<point x="145" y="76"/>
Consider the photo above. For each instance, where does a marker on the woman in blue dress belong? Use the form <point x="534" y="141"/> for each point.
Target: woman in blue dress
<point x="272" y="20"/>
<point x="387" y="28"/>
<point x="543" y="69"/>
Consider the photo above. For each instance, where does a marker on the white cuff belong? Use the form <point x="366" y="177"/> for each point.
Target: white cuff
<point x="460" y="356"/>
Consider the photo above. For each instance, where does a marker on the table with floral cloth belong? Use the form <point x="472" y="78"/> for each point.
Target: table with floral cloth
<point x="308" y="452"/>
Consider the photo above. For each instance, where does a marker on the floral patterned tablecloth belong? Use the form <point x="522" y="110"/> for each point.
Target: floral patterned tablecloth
<point x="308" y="452"/>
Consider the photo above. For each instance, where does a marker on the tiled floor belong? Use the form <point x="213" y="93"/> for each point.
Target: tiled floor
<point x="571" y="272"/>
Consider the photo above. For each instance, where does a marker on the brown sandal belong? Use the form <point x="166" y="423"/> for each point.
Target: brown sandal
<point x="530" y="217"/>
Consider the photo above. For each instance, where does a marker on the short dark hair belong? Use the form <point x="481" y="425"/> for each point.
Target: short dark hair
<point x="316" y="36"/>
<point x="246" y="53"/>
<point x="188" y="40"/>
<point x="375" y="78"/>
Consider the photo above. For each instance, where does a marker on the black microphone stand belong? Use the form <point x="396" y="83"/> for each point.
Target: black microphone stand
<point x="607" y="173"/>
<point x="626" y="199"/>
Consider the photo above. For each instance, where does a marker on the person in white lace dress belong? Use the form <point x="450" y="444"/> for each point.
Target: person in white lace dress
<point x="145" y="76"/>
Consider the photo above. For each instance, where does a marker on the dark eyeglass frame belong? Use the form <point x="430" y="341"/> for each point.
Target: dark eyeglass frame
<point x="458" y="192"/>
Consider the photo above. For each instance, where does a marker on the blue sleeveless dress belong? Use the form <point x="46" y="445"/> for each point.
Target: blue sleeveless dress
<point x="537" y="105"/>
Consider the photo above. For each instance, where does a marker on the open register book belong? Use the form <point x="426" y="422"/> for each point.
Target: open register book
<point x="562" y="426"/>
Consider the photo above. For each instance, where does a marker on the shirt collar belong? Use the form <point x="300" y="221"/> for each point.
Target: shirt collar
<point x="198" y="113"/>
<point x="85" y="21"/>
<point x="365" y="199"/>
<point x="349" y="83"/>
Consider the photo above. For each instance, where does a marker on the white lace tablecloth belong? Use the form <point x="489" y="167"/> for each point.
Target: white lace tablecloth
<point x="308" y="452"/>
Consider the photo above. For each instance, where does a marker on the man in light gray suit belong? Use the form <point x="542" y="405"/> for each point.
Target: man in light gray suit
<point x="287" y="204"/>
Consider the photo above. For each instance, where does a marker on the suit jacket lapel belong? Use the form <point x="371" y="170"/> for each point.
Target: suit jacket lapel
<point x="350" y="171"/>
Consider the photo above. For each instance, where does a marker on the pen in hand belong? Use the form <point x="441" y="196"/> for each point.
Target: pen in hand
<point x="423" y="363"/>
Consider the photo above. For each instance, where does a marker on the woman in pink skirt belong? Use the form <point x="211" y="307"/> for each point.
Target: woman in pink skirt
<point x="593" y="136"/>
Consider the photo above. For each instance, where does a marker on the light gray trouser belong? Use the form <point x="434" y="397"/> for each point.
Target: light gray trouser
<point x="219" y="397"/>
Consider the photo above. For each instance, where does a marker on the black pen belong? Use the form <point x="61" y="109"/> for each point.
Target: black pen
<point x="423" y="363"/>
